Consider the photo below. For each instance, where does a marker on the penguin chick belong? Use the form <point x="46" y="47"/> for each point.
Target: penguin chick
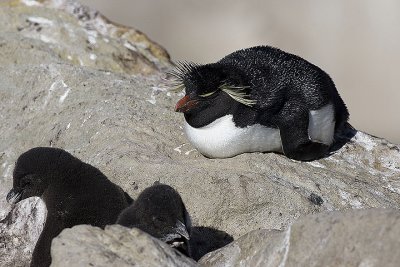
<point x="160" y="212"/>
<point x="74" y="193"/>
<point x="259" y="99"/>
<point x="206" y="239"/>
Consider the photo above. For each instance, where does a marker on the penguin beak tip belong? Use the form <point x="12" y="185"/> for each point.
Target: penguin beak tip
<point x="13" y="196"/>
<point x="185" y="104"/>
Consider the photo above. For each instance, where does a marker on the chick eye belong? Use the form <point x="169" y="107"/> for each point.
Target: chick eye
<point x="25" y="183"/>
<point x="26" y="180"/>
<point x="159" y="219"/>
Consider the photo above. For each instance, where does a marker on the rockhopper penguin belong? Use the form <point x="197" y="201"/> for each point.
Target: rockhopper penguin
<point x="259" y="99"/>
<point x="74" y="193"/>
<point x="160" y="212"/>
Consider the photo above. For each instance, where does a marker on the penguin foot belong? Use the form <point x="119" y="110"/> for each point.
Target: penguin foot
<point x="308" y="151"/>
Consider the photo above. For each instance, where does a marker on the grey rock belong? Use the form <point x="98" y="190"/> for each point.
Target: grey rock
<point x="81" y="36"/>
<point x="120" y="119"/>
<point x="351" y="238"/>
<point x="257" y="248"/>
<point x="84" y="245"/>
<point x="19" y="231"/>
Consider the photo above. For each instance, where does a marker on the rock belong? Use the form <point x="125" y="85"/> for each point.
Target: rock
<point x="19" y="231"/>
<point x="61" y="25"/>
<point x="85" y="245"/>
<point x="120" y="119"/>
<point x="352" y="238"/>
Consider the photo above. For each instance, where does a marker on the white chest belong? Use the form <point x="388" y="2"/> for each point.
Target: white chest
<point x="222" y="139"/>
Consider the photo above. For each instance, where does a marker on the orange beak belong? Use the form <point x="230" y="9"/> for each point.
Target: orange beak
<point x="185" y="104"/>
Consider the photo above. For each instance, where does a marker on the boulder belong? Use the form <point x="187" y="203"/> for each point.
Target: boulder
<point x="85" y="245"/>
<point x="352" y="238"/>
<point x="70" y="78"/>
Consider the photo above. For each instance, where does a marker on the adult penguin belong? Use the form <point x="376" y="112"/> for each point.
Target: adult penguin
<point x="260" y="99"/>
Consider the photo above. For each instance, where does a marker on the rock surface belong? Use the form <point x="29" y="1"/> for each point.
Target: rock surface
<point x="85" y="245"/>
<point x="353" y="238"/>
<point x="117" y="115"/>
<point x="81" y="36"/>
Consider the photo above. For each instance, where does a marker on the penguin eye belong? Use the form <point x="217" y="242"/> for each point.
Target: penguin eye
<point x="159" y="219"/>
<point x="208" y="94"/>
<point x="26" y="180"/>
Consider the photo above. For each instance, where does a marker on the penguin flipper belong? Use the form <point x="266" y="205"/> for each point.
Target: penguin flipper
<point x="41" y="254"/>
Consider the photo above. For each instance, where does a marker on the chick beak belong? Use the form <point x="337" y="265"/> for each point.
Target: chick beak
<point x="180" y="229"/>
<point x="14" y="196"/>
<point x="178" y="236"/>
<point x="185" y="104"/>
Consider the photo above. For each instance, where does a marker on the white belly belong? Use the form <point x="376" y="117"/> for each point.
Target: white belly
<point x="222" y="139"/>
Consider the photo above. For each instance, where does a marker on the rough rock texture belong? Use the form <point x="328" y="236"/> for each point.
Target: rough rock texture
<point x="85" y="245"/>
<point x="353" y="238"/>
<point x="81" y="36"/>
<point x="119" y="118"/>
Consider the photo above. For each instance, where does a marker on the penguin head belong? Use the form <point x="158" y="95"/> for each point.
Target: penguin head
<point x="167" y="213"/>
<point x="211" y="91"/>
<point x="33" y="171"/>
<point x="160" y="212"/>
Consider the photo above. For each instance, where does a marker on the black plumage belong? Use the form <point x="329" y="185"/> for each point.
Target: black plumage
<point x="160" y="212"/>
<point x="74" y="193"/>
<point x="261" y="85"/>
<point x="206" y="239"/>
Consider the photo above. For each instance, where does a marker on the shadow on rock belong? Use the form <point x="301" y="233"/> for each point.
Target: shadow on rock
<point x="205" y="239"/>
